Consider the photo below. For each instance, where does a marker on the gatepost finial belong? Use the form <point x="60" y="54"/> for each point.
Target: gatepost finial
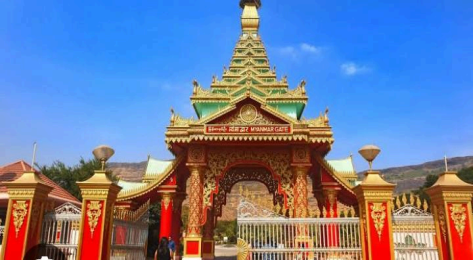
<point x="446" y="163"/>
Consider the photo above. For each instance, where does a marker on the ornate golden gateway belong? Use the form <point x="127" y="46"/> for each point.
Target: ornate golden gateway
<point x="20" y="210"/>
<point x="94" y="210"/>
<point x="458" y="215"/>
<point x="378" y="215"/>
<point x="278" y="160"/>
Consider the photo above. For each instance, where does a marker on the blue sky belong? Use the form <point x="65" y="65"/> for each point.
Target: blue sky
<point x="76" y="74"/>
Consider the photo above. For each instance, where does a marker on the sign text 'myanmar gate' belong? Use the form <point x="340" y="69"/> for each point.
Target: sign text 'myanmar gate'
<point x="248" y="129"/>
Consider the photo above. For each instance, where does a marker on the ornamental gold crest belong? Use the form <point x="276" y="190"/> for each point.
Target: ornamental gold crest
<point x="248" y="113"/>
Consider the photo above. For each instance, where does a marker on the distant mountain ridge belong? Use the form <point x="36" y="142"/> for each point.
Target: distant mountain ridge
<point x="413" y="176"/>
<point x="406" y="177"/>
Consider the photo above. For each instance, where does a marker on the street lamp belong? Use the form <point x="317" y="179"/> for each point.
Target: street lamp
<point x="369" y="153"/>
<point x="103" y="153"/>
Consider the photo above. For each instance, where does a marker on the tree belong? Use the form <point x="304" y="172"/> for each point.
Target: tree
<point x="67" y="176"/>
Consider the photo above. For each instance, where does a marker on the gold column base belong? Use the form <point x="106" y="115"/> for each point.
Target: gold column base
<point x="192" y="248"/>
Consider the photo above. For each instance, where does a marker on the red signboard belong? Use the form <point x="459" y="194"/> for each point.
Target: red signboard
<point x="248" y="129"/>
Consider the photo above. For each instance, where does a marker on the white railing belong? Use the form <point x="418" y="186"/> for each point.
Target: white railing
<point x="301" y="238"/>
<point x="414" y="238"/>
<point x="413" y="230"/>
<point x="60" y="232"/>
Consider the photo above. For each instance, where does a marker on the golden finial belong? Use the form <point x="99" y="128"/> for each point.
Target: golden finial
<point x="278" y="208"/>
<point x="446" y="163"/>
<point x="404" y="199"/>
<point x="250" y="17"/>
<point x="284" y="79"/>
<point x="426" y="205"/>
<point x="256" y="3"/>
<point x="411" y="198"/>
<point x="418" y="202"/>
<point x="398" y="203"/>
<point x="34" y="156"/>
<point x="352" y="211"/>
<point x="247" y="193"/>
<point x="317" y="213"/>
<point x="324" y="212"/>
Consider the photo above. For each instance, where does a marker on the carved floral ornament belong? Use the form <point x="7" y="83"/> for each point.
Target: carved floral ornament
<point x="20" y="210"/>
<point x="94" y="210"/>
<point x="442" y="222"/>
<point x="458" y="215"/>
<point x="378" y="215"/>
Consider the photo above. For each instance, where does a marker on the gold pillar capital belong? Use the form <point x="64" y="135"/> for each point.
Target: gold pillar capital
<point x="450" y="188"/>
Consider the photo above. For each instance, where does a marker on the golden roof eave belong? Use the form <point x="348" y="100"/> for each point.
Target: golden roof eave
<point x="131" y="194"/>
<point x="337" y="176"/>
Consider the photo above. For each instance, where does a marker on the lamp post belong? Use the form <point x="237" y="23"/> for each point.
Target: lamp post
<point x="369" y="153"/>
<point x="99" y="194"/>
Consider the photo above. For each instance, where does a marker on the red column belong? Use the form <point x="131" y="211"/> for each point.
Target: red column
<point x="99" y="194"/>
<point x="451" y="200"/>
<point x="166" y="216"/>
<point x="176" y="223"/>
<point x="193" y="239"/>
<point x="375" y="198"/>
<point x="27" y="195"/>
<point x="330" y="197"/>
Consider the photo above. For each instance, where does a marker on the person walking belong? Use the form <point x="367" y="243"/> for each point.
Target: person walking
<point x="172" y="247"/>
<point x="163" y="252"/>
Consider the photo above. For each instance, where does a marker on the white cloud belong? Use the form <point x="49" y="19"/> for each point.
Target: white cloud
<point x="351" y="68"/>
<point x="288" y="50"/>
<point x="295" y="51"/>
<point x="310" y="48"/>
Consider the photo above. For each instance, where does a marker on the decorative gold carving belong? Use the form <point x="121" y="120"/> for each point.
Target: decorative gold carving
<point x="442" y="221"/>
<point x="196" y="154"/>
<point x="195" y="203"/>
<point x="458" y="215"/>
<point x="94" y="193"/>
<point x="94" y="211"/>
<point x="301" y="154"/>
<point x="278" y="160"/>
<point x="332" y="200"/>
<point x="238" y="118"/>
<point x="20" y="210"/>
<point x="243" y="249"/>
<point x="20" y="193"/>
<point x="35" y="211"/>
<point x="378" y="215"/>
<point x="166" y="200"/>
<point x="300" y="193"/>
<point x="457" y="195"/>
<point x="248" y="113"/>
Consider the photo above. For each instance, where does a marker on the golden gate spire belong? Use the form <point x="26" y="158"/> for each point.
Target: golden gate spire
<point x="250" y="17"/>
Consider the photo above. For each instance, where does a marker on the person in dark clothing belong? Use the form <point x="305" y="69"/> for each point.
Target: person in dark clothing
<point x="163" y="252"/>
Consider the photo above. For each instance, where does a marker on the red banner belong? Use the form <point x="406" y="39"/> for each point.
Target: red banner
<point x="248" y="129"/>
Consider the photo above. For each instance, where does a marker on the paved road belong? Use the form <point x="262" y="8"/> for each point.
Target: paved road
<point x="225" y="252"/>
